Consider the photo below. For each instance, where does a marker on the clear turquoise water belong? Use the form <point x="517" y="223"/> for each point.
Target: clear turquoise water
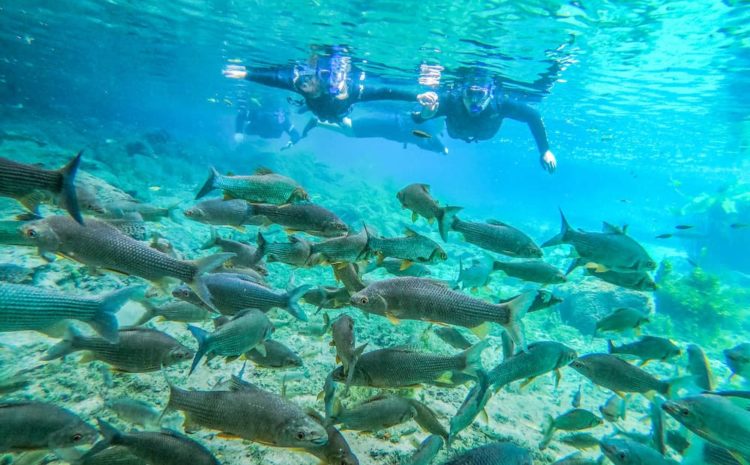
<point x="649" y="118"/>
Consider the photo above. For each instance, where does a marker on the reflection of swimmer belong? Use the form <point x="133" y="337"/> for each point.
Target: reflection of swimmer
<point x="398" y="127"/>
<point x="475" y="109"/>
<point x="329" y="86"/>
<point x="266" y="124"/>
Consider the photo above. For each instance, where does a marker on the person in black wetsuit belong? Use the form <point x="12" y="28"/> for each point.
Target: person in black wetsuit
<point x="268" y="124"/>
<point x="329" y="86"/>
<point x="474" y="110"/>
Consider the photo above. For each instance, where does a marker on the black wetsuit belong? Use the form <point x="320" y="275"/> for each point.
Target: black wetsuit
<point x="472" y="128"/>
<point x="398" y="127"/>
<point x="266" y="124"/>
<point x="328" y="107"/>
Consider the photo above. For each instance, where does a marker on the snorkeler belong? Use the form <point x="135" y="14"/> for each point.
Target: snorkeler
<point x="475" y="109"/>
<point x="328" y="85"/>
<point x="267" y="124"/>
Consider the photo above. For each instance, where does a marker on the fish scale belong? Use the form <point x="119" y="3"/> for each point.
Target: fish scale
<point x="500" y="238"/>
<point x="307" y="217"/>
<point x="18" y="178"/>
<point x="542" y="357"/>
<point x="415" y="247"/>
<point x="269" y="188"/>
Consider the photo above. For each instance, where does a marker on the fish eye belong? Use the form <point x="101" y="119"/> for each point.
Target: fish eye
<point x="77" y="437"/>
<point x="684" y="412"/>
<point x="31" y="232"/>
<point x="622" y="455"/>
<point x="300" y="435"/>
<point x="363" y="300"/>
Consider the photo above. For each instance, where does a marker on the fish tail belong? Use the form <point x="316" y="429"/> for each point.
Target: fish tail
<point x="549" y="429"/>
<point x="562" y="236"/>
<point x="148" y="314"/>
<point x="104" y="320"/>
<point x="293" y="306"/>
<point x="211" y="242"/>
<point x="201" y="336"/>
<point x="610" y="346"/>
<point x="473" y="357"/>
<point x="66" y="346"/>
<point x="573" y="265"/>
<point x="261" y="244"/>
<point x="211" y="183"/>
<point x="111" y="436"/>
<point x="457" y="282"/>
<point x="516" y="309"/>
<point x="352" y="365"/>
<point x="205" y="265"/>
<point x="445" y="216"/>
<point x="68" y="188"/>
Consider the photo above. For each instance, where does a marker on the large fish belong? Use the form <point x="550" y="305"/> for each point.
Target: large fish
<point x="232" y="293"/>
<point x="401" y="367"/>
<point x="159" y="448"/>
<point x="219" y="212"/>
<point x="499" y="237"/>
<point x="36" y="425"/>
<point x="308" y="217"/>
<point x="25" y="307"/>
<point x="28" y="184"/>
<point x="424" y="299"/>
<point x="613" y="373"/>
<point x="250" y="413"/>
<point x="101" y="245"/>
<point x="647" y="348"/>
<point x="608" y="250"/>
<point x="138" y="350"/>
<point x="263" y="186"/>
<point x="413" y="247"/>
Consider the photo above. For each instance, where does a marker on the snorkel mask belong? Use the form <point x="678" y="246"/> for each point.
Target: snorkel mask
<point x="476" y="97"/>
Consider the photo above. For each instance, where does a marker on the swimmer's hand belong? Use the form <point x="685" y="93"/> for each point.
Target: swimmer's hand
<point x="239" y="137"/>
<point x="288" y="145"/>
<point x="235" y="72"/>
<point x="429" y="102"/>
<point x="548" y="161"/>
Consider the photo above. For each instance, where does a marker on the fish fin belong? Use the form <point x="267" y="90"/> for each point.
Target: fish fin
<point x="392" y="318"/>
<point x="620" y="395"/>
<point x="516" y="310"/>
<point x="596" y="267"/>
<point x="445" y="378"/>
<point x="473" y="357"/>
<point x="739" y="457"/>
<point x="445" y="217"/>
<point x="405" y="264"/>
<point x="430" y="221"/>
<point x="231" y="358"/>
<point x="610" y="346"/>
<point x="496" y="222"/>
<point x="68" y="188"/>
<point x="201" y="335"/>
<point x="210" y="184"/>
<point x="262" y="171"/>
<point x="527" y="381"/>
<point x="293" y="306"/>
<point x="379" y="257"/>
<point x="562" y="236"/>
<point x="548" y="430"/>
<point x="637" y="331"/>
<point x="644" y="363"/>
<point x="104" y="320"/>
<point x="485" y="415"/>
<point x="414" y="217"/>
<point x="211" y="242"/>
<point x="474" y="290"/>
<point x="481" y="331"/>
<point x="225" y="435"/>
<point x="89" y="357"/>
<point x="66" y="346"/>
<point x="205" y="265"/>
<point x="261" y="348"/>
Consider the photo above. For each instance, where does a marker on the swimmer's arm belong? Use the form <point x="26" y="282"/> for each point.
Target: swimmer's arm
<point x="526" y="114"/>
<point x="369" y="94"/>
<point x="280" y="78"/>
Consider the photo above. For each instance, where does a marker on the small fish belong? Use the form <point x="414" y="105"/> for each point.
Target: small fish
<point x="699" y="368"/>
<point x="38" y="425"/>
<point x="739" y="225"/>
<point x="426" y="452"/>
<point x="374" y="414"/>
<point x="295" y="252"/>
<point x="24" y="183"/>
<point x="277" y="356"/>
<point x="263" y="186"/>
<point x="647" y="348"/>
<point x="473" y="404"/>
<point x="394" y="266"/>
<point x="684" y="226"/>
<point x="613" y="373"/>
<point x="580" y="441"/>
<point x="476" y="275"/>
<point x="664" y="236"/>
<point x="452" y="337"/>
<point x="576" y="400"/>
<point x="498" y="237"/>
<point x="422" y="134"/>
<point x="138" y="350"/>
<point x="413" y="247"/>
<point x="164" y="448"/>
<point x="327" y="297"/>
<point x="614" y="409"/>
<point x="345" y="249"/>
<point x="417" y="198"/>
<point x="536" y="271"/>
<point x="220" y="212"/>
<point x="621" y="319"/>
<point x="576" y="458"/>
<point x="336" y="451"/>
<point x="573" y="420"/>
<point x="176" y="310"/>
<point x="245" y="255"/>
<point x="113" y="455"/>
<point x="247" y="330"/>
<point x="344" y="340"/>
<point x="308" y="217"/>
<point x="499" y="453"/>
<point x="135" y="411"/>
<point x="738" y="360"/>
<point x="629" y="452"/>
